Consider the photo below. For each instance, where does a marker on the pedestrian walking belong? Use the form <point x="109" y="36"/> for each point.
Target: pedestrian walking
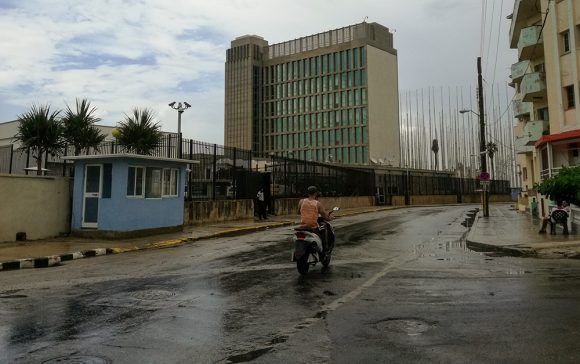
<point x="261" y="202"/>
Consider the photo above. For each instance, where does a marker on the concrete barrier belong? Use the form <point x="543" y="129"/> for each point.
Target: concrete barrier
<point x="433" y="200"/>
<point x="36" y="205"/>
<point x="199" y="212"/>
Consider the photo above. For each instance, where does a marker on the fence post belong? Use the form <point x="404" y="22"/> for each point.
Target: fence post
<point x="27" y="160"/>
<point x="408" y="188"/>
<point x="45" y="163"/>
<point x="235" y="182"/>
<point x="64" y="161"/>
<point x="11" y="154"/>
<point x="168" y="145"/>
<point x="190" y="179"/>
<point x="214" y="172"/>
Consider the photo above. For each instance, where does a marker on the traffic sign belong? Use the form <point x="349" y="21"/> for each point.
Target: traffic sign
<point x="484" y="176"/>
<point x="485" y="185"/>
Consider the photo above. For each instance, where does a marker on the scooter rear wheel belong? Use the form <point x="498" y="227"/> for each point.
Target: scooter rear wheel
<point x="302" y="264"/>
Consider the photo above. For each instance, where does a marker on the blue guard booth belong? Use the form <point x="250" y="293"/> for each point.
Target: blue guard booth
<point x="122" y="195"/>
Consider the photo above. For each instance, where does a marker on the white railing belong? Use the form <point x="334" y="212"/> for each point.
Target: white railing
<point x="547" y="173"/>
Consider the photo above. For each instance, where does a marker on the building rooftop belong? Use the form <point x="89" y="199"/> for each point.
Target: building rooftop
<point x="364" y="30"/>
<point x="130" y="155"/>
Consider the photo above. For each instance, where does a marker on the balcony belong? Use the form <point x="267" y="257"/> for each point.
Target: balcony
<point x="519" y="70"/>
<point x="523" y="146"/>
<point x="532" y="132"/>
<point x="521" y="108"/>
<point x="533" y="86"/>
<point x="523" y="10"/>
<point x="535" y="129"/>
<point x="531" y="42"/>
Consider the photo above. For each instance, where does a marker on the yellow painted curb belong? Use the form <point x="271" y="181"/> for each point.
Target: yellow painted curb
<point x="124" y="250"/>
<point x="165" y="244"/>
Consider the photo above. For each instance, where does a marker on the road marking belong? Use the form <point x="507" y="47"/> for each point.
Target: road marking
<point x="394" y="263"/>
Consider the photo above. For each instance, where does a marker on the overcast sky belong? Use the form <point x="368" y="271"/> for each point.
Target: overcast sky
<point x="147" y="53"/>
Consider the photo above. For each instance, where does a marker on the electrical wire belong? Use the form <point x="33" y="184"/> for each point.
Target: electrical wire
<point x="533" y="51"/>
<point x="497" y="44"/>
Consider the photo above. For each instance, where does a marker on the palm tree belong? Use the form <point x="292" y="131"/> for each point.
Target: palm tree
<point x="79" y="128"/>
<point x="491" y="150"/>
<point x="139" y="132"/>
<point x="40" y="131"/>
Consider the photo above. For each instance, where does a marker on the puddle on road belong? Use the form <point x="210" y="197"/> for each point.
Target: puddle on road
<point x="411" y="326"/>
<point x="78" y="359"/>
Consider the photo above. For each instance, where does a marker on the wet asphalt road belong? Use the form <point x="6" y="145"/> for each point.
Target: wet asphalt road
<point x="402" y="288"/>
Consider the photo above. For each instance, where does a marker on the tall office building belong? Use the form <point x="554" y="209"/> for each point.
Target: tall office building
<point x="546" y="77"/>
<point x="327" y="97"/>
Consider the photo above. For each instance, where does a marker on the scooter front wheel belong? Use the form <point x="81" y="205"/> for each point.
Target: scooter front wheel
<point x="326" y="260"/>
<point x="302" y="264"/>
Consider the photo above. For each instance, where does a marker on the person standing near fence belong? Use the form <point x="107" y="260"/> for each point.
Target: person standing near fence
<point x="261" y="202"/>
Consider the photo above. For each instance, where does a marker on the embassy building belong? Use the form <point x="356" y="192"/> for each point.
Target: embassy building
<point x="328" y="97"/>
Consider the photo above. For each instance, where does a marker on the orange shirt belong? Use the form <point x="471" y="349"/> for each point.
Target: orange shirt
<point x="309" y="213"/>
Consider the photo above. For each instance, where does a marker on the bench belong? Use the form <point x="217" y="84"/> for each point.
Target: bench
<point x="558" y="217"/>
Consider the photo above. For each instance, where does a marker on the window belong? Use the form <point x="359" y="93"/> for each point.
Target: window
<point x="525" y="173"/>
<point x="135" y="182"/>
<point x="153" y="183"/>
<point x="569" y="90"/>
<point x="543" y="114"/>
<point x="170" y="182"/>
<point x="566" y="41"/>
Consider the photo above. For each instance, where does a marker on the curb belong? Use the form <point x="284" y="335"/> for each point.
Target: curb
<point x="479" y="246"/>
<point x="55" y="260"/>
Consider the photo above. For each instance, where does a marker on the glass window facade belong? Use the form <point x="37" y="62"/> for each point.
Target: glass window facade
<point x="315" y="108"/>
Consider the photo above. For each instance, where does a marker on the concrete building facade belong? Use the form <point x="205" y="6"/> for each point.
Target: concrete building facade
<point x="547" y="36"/>
<point x="328" y="97"/>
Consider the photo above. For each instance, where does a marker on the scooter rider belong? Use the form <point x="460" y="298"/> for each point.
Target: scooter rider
<point x="310" y="209"/>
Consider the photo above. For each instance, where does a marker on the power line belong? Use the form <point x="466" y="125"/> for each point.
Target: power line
<point x="482" y="35"/>
<point x="490" y="33"/>
<point x="533" y="51"/>
<point x="497" y="44"/>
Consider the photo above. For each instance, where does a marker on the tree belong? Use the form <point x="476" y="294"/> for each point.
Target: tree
<point x="40" y="131"/>
<point x="138" y="132"/>
<point x="565" y="186"/>
<point x="79" y="128"/>
<point x="491" y="150"/>
<point x="435" y="150"/>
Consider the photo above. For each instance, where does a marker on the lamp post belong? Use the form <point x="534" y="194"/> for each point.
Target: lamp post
<point x="180" y="107"/>
<point x="484" y="176"/>
<point x="483" y="160"/>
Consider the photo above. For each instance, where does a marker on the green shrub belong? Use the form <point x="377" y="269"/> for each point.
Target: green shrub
<point x="565" y="186"/>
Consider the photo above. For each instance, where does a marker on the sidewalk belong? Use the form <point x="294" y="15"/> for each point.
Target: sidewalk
<point x="512" y="233"/>
<point x="49" y="252"/>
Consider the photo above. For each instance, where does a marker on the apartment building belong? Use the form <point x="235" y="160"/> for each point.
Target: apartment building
<point x="547" y="36"/>
<point x="327" y="97"/>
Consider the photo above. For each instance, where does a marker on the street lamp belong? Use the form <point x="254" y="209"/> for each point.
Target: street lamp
<point x="180" y="107"/>
<point x="467" y="110"/>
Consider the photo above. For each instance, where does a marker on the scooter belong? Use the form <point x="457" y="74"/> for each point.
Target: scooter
<point x="308" y="246"/>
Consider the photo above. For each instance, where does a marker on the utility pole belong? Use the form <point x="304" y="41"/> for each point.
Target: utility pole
<point x="482" y="155"/>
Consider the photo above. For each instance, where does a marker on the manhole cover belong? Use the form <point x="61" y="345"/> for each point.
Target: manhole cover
<point x="78" y="359"/>
<point x="152" y="294"/>
<point x="409" y="326"/>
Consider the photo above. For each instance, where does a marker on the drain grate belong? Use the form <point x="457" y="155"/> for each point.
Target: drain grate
<point x="78" y="359"/>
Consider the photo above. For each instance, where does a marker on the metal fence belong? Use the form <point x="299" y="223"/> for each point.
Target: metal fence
<point x="291" y="178"/>
<point x="219" y="172"/>
<point x="213" y="173"/>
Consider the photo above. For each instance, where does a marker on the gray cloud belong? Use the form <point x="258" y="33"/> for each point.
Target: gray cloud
<point x="184" y="43"/>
